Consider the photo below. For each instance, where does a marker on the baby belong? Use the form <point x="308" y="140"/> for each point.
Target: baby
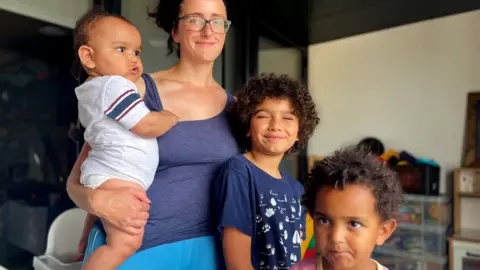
<point x="353" y="199"/>
<point x="119" y="128"/>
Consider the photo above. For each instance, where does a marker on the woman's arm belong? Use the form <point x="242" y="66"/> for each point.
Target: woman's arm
<point x="125" y="208"/>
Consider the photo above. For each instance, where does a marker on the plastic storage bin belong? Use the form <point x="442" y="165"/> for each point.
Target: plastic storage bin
<point x="427" y="244"/>
<point x="420" y="240"/>
<point x="425" y="211"/>
<point x="397" y="261"/>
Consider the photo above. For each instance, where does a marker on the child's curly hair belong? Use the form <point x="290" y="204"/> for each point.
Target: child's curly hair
<point x="351" y="166"/>
<point x="269" y="85"/>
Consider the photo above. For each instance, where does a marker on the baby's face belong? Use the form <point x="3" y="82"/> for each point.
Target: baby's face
<point x="116" y="46"/>
<point x="347" y="227"/>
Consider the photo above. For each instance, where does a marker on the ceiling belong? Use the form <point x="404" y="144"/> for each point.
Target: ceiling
<point x="289" y="22"/>
<point x="333" y="19"/>
<point x="304" y="22"/>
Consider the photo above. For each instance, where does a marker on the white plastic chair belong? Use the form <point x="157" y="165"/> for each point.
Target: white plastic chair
<point x="62" y="241"/>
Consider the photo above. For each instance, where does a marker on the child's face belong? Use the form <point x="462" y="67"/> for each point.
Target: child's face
<point x="273" y="127"/>
<point x="114" y="48"/>
<point x="347" y="226"/>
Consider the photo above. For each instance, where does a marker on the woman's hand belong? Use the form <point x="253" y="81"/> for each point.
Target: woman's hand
<point x="125" y="208"/>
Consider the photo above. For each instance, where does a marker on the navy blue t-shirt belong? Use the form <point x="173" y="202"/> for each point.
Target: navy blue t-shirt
<point x="267" y="209"/>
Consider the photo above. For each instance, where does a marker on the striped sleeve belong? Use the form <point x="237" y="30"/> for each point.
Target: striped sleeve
<point x="122" y="103"/>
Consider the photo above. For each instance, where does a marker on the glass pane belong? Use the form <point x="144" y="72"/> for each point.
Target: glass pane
<point x="154" y="54"/>
<point x="38" y="134"/>
<point x="273" y="57"/>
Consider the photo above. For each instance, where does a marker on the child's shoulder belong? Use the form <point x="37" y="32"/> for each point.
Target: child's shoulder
<point x="234" y="170"/>
<point x="294" y="183"/>
<point x="238" y="163"/>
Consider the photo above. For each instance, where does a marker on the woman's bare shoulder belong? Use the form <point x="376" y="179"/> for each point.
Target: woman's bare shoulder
<point x="160" y="78"/>
<point x="161" y="74"/>
<point x="163" y="80"/>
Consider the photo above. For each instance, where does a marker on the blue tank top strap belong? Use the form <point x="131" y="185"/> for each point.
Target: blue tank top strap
<point x="152" y="98"/>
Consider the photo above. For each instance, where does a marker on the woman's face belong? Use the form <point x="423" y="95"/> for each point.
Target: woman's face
<point x="201" y="45"/>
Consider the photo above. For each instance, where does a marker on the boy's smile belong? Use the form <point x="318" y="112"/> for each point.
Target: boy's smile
<point x="273" y="127"/>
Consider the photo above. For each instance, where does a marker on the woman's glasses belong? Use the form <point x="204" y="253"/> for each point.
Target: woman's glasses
<point x="195" y="23"/>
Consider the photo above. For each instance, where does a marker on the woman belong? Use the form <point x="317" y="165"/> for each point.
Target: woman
<point x="177" y="230"/>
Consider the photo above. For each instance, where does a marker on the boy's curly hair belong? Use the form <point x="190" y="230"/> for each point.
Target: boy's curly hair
<point x="355" y="166"/>
<point x="269" y="85"/>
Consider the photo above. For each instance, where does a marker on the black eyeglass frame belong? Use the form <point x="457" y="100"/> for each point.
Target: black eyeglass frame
<point x="228" y="23"/>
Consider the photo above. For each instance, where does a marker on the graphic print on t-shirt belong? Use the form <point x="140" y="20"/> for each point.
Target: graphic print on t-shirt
<point x="279" y="224"/>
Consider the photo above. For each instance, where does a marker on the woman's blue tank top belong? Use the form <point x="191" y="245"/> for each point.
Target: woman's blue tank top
<point x="190" y="155"/>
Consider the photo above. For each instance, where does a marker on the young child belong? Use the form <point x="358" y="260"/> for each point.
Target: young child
<point x="353" y="198"/>
<point x="257" y="208"/>
<point x="119" y="128"/>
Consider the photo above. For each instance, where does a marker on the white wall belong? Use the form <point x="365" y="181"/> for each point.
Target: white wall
<point x="406" y="85"/>
<point x="60" y="12"/>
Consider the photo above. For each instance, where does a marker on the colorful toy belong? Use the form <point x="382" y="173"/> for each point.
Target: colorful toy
<point x="308" y="246"/>
<point x="410" y="214"/>
<point x="389" y="154"/>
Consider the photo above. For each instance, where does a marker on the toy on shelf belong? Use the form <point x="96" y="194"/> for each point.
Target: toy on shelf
<point x="418" y="242"/>
<point x="430" y="211"/>
<point x="410" y="214"/>
<point x="308" y="246"/>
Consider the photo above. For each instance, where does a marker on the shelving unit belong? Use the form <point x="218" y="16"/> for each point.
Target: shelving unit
<point x="464" y="245"/>
<point x="460" y="177"/>
<point x="420" y="241"/>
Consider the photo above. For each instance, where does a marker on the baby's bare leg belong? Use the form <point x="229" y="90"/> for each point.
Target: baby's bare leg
<point x="120" y="245"/>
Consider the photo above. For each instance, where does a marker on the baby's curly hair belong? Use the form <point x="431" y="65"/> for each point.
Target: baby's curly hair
<point x="81" y="36"/>
<point x="351" y="166"/>
<point x="269" y="85"/>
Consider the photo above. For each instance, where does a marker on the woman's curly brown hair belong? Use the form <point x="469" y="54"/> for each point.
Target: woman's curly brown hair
<point x="269" y="85"/>
<point x="355" y="166"/>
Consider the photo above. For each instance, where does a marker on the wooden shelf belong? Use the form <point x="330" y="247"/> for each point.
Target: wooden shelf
<point x="470" y="235"/>
<point x="469" y="194"/>
<point x="458" y="195"/>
